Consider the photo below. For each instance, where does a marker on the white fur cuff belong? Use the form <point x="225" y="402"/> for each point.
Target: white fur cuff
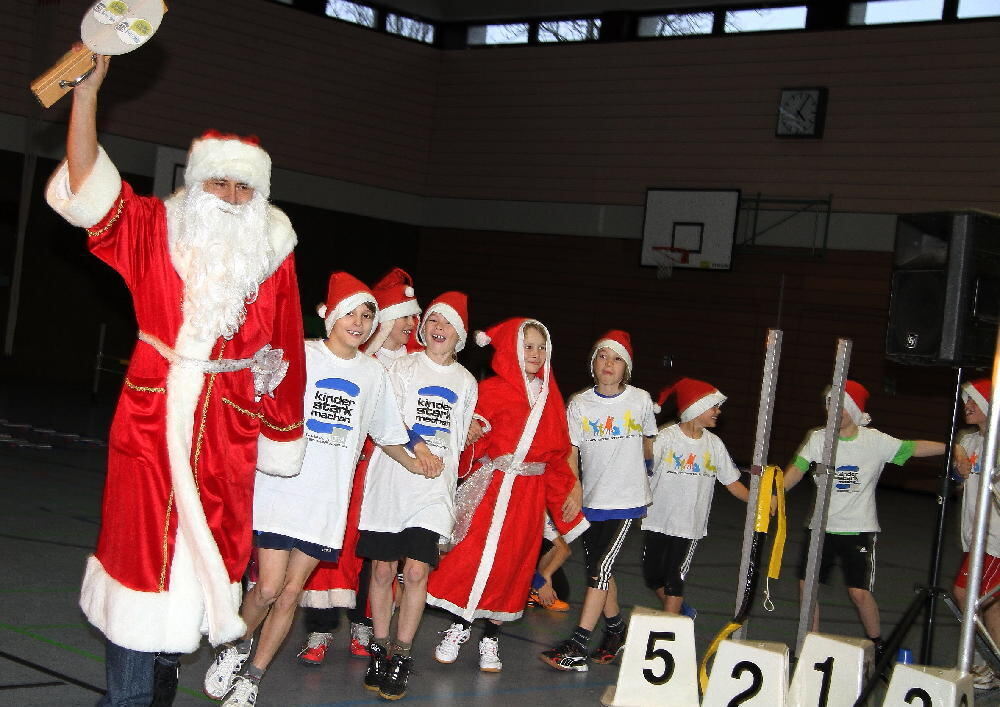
<point x="94" y="200"/>
<point x="576" y="531"/>
<point x="280" y="458"/>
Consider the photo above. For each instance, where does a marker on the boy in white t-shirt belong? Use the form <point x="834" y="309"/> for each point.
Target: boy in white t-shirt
<point x="852" y="523"/>
<point x="300" y="522"/>
<point x="967" y="458"/>
<point x="402" y="515"/>
<point x="612" y="425"/>
<point x="687" y="461"/>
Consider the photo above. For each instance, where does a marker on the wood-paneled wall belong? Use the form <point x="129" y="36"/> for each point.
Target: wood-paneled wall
<point x="711" y="325"/>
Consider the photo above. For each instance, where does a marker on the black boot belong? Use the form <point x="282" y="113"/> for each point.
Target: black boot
<point x="378" y="662"/>
<point x="166" y="672"/>
<point x="394" y="682"/>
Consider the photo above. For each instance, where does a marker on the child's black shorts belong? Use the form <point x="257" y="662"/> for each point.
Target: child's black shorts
<point x="602" y="542"/>
<point x="666" y="560"/>
<point x="416" y="543"/>
<point x="275" y="541"/>
<point x="856" y="553"/>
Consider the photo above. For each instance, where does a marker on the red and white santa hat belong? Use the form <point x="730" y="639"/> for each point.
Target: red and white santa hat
<point x="855" y="400"/>
<point x="453" y="306"/>
<point x="979" y="391"/>
<point x="693" y="397"/>
<point x="217" y="155"/>
<point x="344" y="294"/>
<point x="395" y="297"/>
<point x="618" y="341"/>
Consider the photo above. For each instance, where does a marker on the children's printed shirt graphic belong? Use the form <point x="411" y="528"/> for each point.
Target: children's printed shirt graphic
<point x="611" y="427"/>
<point x="681" y="462"/>
<point x="331" y="411"/>
<point x="435" y="406"/>
<point x="847" y="479"/>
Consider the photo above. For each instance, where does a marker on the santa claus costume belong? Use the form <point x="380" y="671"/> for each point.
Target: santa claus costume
<point x="219" y="323"/>
<point x="345" y="583"/>
<point x="523" y="470"/>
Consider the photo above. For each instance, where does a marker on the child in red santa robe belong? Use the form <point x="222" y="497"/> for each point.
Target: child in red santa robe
<point x="500" y="508"/>
<point x="345" y="583"/>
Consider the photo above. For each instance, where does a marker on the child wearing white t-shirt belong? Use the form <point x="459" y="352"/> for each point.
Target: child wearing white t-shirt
<point x="687" y="461"/>
<point x="612" y="425"/>
<point x="852" y="522"/>
<point x="301" y="520"/>
<point x="404" y="516"/>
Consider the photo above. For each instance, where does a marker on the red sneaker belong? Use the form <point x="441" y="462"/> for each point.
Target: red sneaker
<point x="361" y="635"/>
<point x="314" y="651"/>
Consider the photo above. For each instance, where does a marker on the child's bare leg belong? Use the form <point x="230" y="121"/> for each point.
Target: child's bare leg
<point x="411" y="607"/>
<point x="867" y="608"/>
<point x="380" y="596"/>
<point x="279" y="619"/>
<point x="272" y="565"/>
<point x="593" y="606"/>
<point x="815" y="621"/>
<point x="611" y="607"/>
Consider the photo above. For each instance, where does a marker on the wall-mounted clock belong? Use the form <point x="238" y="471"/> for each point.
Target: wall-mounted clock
<point x="801" y="112"/>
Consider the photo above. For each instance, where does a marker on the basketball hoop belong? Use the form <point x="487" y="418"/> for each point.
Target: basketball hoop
<point x="666" y="257"/>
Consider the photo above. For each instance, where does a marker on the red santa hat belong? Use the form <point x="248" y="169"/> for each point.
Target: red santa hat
<point x="395" y="297"/>
<point x="344" y="294"/>
<point x="693" y="397"/>
<point x="217" y="155"/>
<point x="453" y="306"/>
<point x="618" y="341"/>
<point x="980" y="392"/>
<point x="855" y="400"/>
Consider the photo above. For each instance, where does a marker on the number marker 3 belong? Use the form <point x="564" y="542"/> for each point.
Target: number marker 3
<point x="925" y="686"/>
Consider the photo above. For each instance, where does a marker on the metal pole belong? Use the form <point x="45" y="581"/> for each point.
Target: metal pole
<point x="983" y="501"/>
<point x="927" y="638"/>
<point x="762" y="440"/>
<point x="825" y="471"/>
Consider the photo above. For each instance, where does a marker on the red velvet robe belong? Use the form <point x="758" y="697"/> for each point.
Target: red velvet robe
<point x="473" y="580"/>
<point x="184" y="445"/>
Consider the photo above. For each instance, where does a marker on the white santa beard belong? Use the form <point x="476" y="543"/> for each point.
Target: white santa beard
<point x="224" y="254"/>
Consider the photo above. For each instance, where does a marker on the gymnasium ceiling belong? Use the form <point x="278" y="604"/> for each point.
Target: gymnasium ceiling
<point x="455" y="10"/>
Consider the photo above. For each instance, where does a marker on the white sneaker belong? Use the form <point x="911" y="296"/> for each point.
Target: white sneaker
<point x="489" y="655"/>
<point x="454" y="637"/>
<point x="221" y="672"/>
<point x="984" y="678"/>
<point x="243" y="693"/>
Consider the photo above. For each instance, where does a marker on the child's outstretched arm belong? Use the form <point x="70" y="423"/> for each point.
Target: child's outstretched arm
<point x="424" y="464"/>
<point x="924" y="448"/>
<point x="793" y="475"/>
<point x="739" y="489"/>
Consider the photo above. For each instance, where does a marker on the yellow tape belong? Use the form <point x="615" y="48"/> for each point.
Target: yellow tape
<point x="716" y="642"/>
<point x="778" y="548"/>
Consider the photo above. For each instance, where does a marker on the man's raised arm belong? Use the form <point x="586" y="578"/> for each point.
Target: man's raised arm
<point x="81" y="139"/>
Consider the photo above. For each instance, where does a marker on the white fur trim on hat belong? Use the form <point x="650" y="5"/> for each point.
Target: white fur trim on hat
<point x="969" y="391"/>
<point x="406" y="308"/>
<point x="453" y="318"/>
<point x="859" y="418"/>
<point x="701" y="405"/>
<point x="482" y="339"/>
<point x="229" y="158"/>
<point x="618" y="349"/>
<point x="344" y="307"/>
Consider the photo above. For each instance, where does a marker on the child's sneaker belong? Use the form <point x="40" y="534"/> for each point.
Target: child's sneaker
<point x="243" y="693"/>
<point x="378" y="662"/>
<point x="314" y="651"/>
<point x="689" y="611"/>
<point x="556" y="605"/>
<point x="983" y="678"/>
<point x="454" y="637"/>
<point x="566" y="656"/>
<point x="393" y="686"/>
<point x="223" y="669"/>
<point x="361" y="636"/>
<point x="610" y="648"/>
<point x="489" y="655"/>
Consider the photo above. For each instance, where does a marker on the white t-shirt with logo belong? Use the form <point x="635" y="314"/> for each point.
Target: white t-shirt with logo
<point x="972" y="443"/>
<point x="684" y="474"/>
<point x="609" y="434"/>
<point x="345" y="400"/>
<point x="859" y="463"/>
<point x="437" y="403"/>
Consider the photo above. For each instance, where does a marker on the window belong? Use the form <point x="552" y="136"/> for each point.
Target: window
<point x="351" y="12"/>
<point x="978" y="8"/>
<point x="890" y="11"/>
<point x="409" y="27"/>
<point x="766" y="19"/>
<point x="516" y="33"/>
<point x="676" y="25"/>
<point x="569" y="30"/>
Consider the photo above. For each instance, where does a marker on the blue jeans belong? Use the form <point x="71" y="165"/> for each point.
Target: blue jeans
<point x="130" y="677"/>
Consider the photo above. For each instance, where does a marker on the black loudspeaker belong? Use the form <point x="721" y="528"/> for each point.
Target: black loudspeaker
<point x="945" y="301"/>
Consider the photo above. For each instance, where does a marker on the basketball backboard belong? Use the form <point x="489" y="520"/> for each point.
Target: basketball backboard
<point x="699" y="221"/>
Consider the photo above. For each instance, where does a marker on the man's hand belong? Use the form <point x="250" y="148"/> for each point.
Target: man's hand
<point x="90" y="86"/>
<point x="475" y="433"/>
<point x="574" y="501"/>
<point x="426" y="462"/>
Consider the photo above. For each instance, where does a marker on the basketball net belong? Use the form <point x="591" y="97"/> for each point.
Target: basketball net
<point x="666" y="258"/>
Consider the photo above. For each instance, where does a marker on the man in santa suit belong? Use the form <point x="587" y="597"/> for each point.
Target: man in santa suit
<point x="213" y="391"/>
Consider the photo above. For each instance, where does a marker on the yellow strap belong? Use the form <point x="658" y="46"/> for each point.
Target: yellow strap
<point x="763" y="514"/>
<point x="716" y="642"/>
<point x="778" y="548"/>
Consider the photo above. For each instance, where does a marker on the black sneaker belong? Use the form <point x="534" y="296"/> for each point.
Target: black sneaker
<point x="378" y="661"/>
<point x="393" y="685"/>
<point x="611" y="647"/>
<point x="566" y="656"/>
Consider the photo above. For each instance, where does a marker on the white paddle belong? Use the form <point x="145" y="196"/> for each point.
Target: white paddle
<point x="109" y="27"/>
